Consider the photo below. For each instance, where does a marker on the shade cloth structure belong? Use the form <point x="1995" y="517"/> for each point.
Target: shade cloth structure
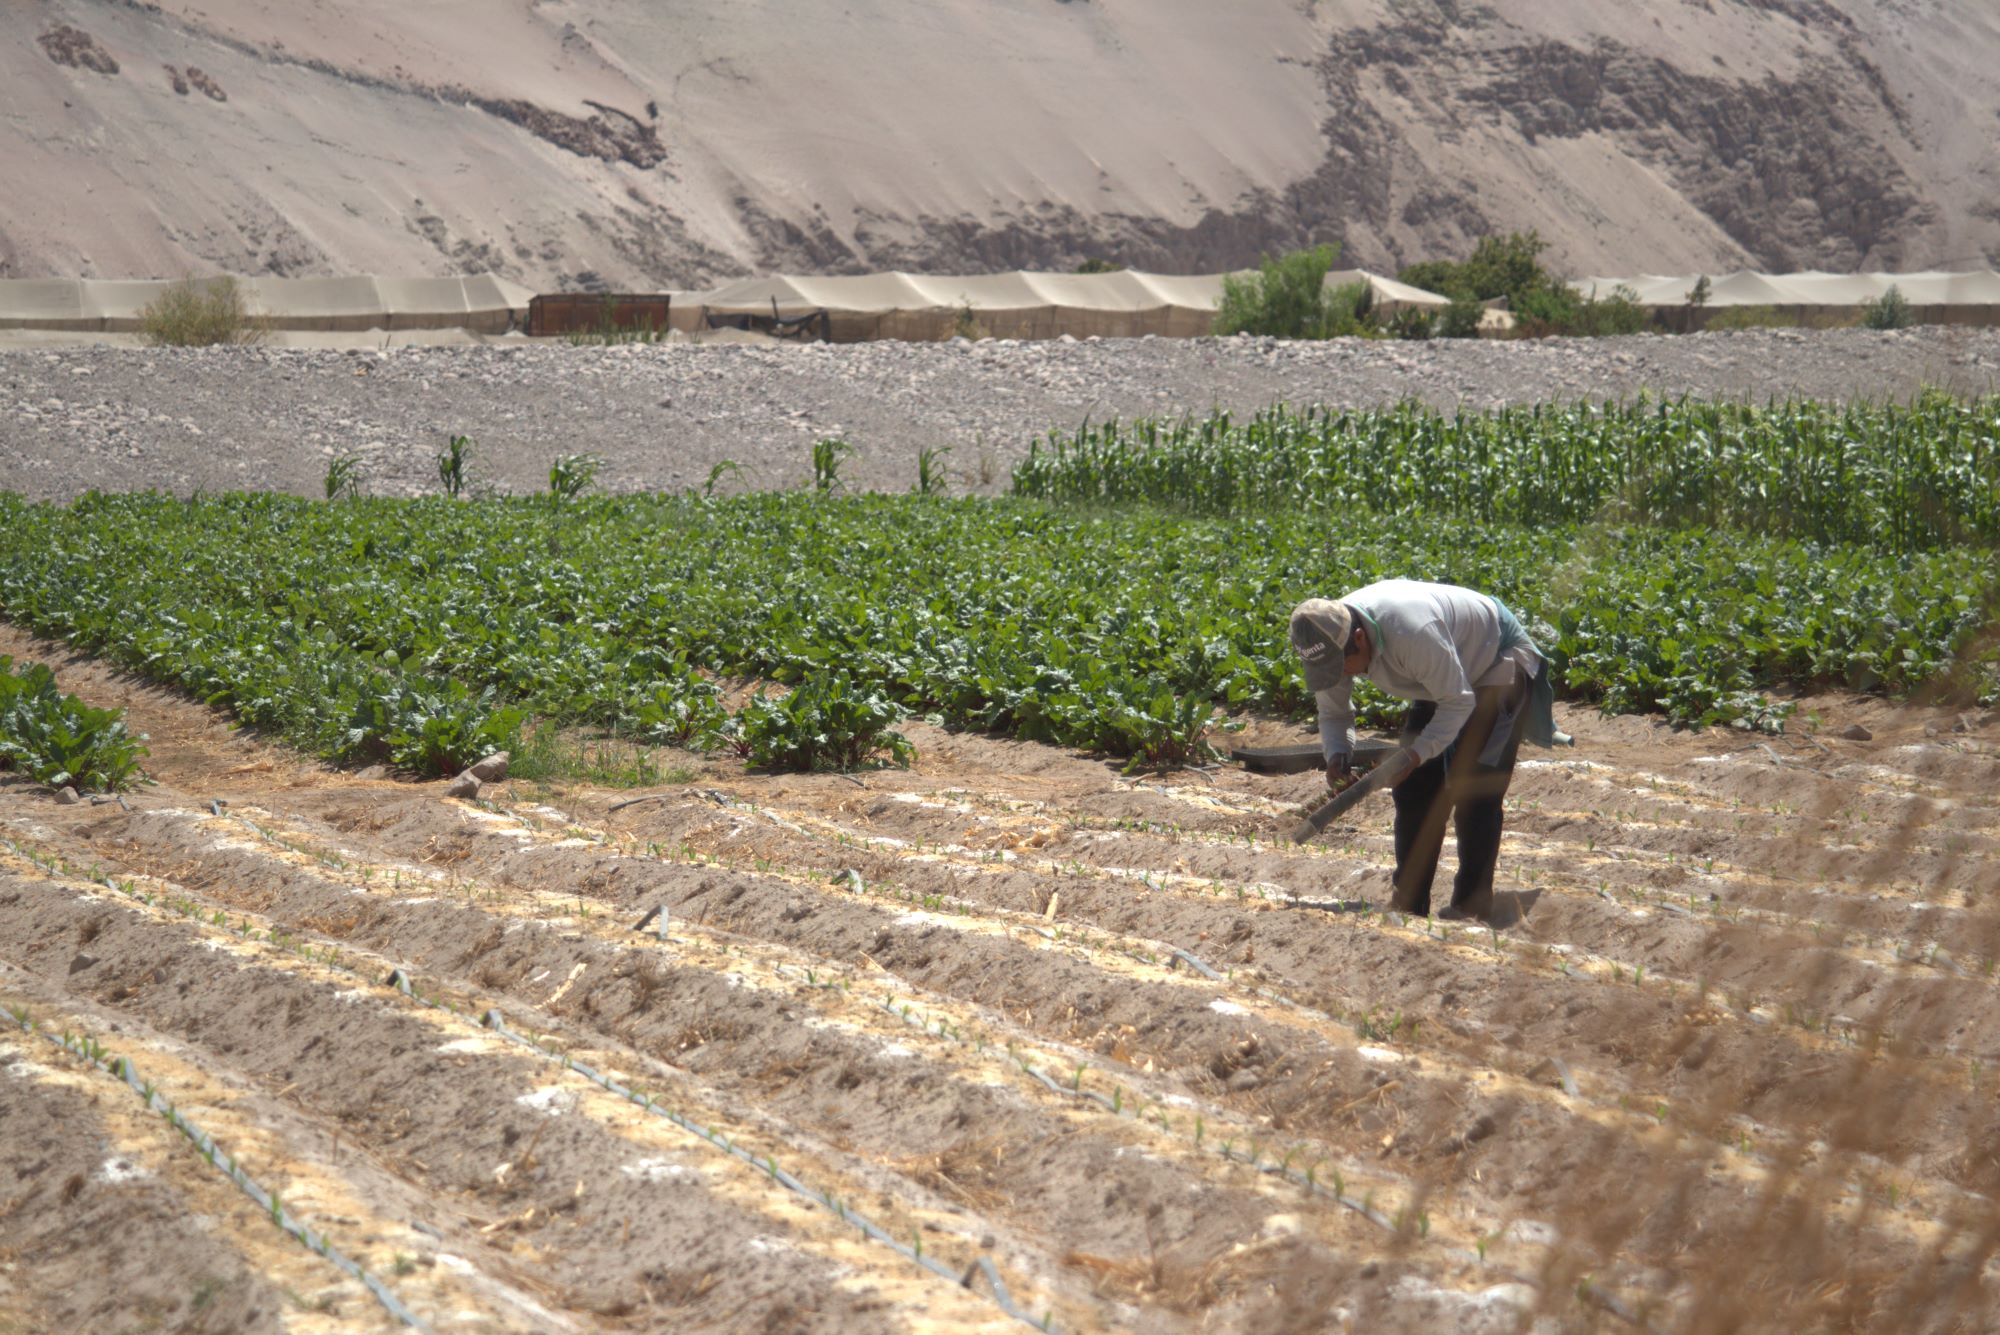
<point x="1811" y="297"/>
<point x="1022" y="304"/>
<point x="482" y="303"/>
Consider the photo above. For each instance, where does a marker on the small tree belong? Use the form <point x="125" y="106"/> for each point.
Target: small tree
<point x="1889" y="311"/>
<point x="1286" y="298"/>
<point x="1500" y="266"/>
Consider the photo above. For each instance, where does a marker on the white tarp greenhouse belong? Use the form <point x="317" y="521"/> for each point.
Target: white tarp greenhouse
<point x="1811" y="297"/>
<point x="481" y="303"/>
<point x="1022" y="304"/>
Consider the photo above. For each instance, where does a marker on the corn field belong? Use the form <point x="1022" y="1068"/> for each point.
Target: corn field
<point x="1896" y="478"/>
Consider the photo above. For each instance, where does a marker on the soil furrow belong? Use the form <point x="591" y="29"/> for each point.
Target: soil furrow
<point x="599" y="1240"/>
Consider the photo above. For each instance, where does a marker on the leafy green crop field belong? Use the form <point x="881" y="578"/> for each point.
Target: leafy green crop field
<point x="426" y="631"/>
<point x="1901" y="478"/>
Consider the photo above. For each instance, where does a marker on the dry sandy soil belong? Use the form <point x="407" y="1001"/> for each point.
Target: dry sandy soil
<point x="571" y="143"/>
<point x="1732" y="1060"/>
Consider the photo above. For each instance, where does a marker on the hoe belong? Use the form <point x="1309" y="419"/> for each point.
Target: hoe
<point x="1306" y="756"/>
<point x="1313" y="822"/>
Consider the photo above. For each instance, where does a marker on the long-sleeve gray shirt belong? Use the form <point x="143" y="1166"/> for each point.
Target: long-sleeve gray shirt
<point x="1432" y="642"/>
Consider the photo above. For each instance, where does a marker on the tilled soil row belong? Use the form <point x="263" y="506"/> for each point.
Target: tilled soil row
<point x="1735" y="1045"/>
<point x="1171" y="861"/>
<point x="97" y="1193"/>
<point x="1187" y="1222"/>
<point x="1290" y="948"/>
<point x="775" y="909"/>
<point x="515" y="1161"/>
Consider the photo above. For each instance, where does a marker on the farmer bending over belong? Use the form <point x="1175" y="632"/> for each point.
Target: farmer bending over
<point x="1479" y="684"/>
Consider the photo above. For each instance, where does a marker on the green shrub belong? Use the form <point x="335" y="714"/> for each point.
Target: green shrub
<point x="1412" y="324"/>
<point x="57" y="739"/>
<point x="826" y="723"/>
<point x="1288" y="298"/>
<point x="197" y="313"/>
<point x="1889" y="311"/>
<point x="1510" y="266"/>
<point x="1461" y="318"/>
<point x="1601" y="317"/>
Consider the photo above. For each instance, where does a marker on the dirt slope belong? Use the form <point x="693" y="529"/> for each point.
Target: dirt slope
<point x="1730" y="1068"/>
<point x="570" y="142"/>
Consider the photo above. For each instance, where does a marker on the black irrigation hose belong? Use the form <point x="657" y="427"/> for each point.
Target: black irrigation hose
<point x="230" y="1168"/>
<point x="1195" y="964"/>
<point x="493" y="1020"/>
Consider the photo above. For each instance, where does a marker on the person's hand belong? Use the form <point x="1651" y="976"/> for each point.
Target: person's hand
<point x="1339" y="771"/>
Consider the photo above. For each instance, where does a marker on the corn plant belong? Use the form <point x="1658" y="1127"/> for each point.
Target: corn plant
<point x="721" y="469"/>
<point x="571" y="475"/>
<point x="454" y="464"/>
<point x="827" y="456"/>
<point x="343" y="477"/>
<point x="932" y="480"/>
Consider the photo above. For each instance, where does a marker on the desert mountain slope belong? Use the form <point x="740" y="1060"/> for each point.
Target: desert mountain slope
<point x="576" y="142"/>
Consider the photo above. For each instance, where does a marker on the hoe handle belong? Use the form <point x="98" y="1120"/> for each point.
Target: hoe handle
<point x="1311" y="824"/>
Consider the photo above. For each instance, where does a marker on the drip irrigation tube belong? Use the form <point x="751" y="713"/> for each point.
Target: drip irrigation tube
<point x="1196" y="965"/>
<point x="230" y="1168"/>
<point x="493" y="1020"/>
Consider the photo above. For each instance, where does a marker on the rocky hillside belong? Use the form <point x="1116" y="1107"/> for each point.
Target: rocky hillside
<point x="572" y="143"/>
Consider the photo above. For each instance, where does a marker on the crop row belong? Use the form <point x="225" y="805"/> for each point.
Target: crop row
<point x="59" y="740"/>
<point x="424" y="631"/>
<point x="1903" y="478"/>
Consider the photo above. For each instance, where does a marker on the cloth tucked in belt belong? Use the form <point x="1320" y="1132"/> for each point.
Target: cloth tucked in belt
<point x="1541" y="704"/>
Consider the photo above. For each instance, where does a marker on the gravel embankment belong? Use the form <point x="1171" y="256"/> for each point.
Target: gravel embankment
<point x="662" y="416"/>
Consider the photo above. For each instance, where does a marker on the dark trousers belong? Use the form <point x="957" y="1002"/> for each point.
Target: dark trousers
<point x="1457" y="786"/>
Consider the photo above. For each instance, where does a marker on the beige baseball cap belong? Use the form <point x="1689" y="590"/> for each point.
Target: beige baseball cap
<point x="1320" y="628"/>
